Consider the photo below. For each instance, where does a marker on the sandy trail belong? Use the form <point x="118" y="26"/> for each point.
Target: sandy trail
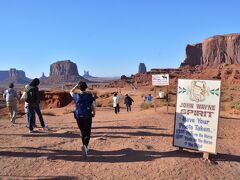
<point x="136" y="145"/>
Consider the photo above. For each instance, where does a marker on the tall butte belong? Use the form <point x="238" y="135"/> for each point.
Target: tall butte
<point x="214" y="50"/>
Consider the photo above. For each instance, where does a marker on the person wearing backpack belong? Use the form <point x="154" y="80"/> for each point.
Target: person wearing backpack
<point x="83" y="113"/>
<point x="10" y="95"/>
<point x="35" y="83"/>
<point x="32" y="101"/>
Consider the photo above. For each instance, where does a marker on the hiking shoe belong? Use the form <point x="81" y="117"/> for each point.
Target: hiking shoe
<point x="30" y="131"/>
<point x="45" y="128"/>
<point x="12" y="121"/>
<point x="85" y="151"/>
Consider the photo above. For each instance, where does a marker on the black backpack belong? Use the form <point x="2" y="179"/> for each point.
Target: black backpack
<point x="83" y="105"/>
<point x="31" y="96"/>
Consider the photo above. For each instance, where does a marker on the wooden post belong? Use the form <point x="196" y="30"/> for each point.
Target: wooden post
<point x="167" y="99"/>
<point x="155" y="105"/>
<point x="180" y="149"/>
<point x="205" y="156"/>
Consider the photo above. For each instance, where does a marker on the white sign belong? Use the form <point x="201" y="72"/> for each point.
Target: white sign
<point x="197" y="113"/>
<point x="160" y="79"/>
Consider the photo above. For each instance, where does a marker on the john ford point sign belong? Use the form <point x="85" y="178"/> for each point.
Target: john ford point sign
<point x="197" y="113"/>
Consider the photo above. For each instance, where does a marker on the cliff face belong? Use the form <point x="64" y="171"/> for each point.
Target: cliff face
<point x="63" y="71"/>
<point x="214" y="50"/>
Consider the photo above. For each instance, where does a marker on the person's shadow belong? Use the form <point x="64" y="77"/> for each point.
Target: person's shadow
<point x="114" y="156"/>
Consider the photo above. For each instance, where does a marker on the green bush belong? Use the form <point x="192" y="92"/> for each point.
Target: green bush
<point x="236" y="105"/>
<point x="98" y="104"/>
<point x="146" y="105"/>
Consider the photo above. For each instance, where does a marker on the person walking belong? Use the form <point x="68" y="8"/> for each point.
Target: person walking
<point x="83" y="113"/>
<point x="10" y="95"/>
<point x="128" y="101"/>
<point x="116" y="103"/>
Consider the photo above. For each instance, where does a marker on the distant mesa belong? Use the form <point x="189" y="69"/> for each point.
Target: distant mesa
<point x="142" y="68"/>
<point x="87" y="75"/>
<point x="220" y="49"/>
<point x="15" y="76"/>
<point x="64" y="71"/>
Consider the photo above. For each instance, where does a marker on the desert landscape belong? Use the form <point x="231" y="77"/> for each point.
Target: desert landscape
<point x="135" y="145"/>
<point x="128" y="145"/>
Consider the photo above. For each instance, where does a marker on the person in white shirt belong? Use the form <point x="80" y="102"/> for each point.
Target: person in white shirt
<point x="10" y="95"/>
<point x="116" y="103"/>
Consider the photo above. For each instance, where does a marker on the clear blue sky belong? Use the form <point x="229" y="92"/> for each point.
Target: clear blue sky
<point x="108" y="37"/>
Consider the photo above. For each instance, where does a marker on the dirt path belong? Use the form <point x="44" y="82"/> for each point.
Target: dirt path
<point x="136" y="145"/>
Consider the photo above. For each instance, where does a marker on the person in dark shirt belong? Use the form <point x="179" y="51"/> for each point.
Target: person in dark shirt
<point x="83" y="113"/>
<point x="128" y="101"/>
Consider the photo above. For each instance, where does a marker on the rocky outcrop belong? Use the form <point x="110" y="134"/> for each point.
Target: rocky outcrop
<point x="214" y="51"/>
<point x="142" y="68"/>
<point x="14" y="75"/>
<point x="54" y="99"/>
<point x="64" y="71"/>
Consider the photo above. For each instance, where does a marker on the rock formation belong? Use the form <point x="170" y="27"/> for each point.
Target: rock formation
<point x="142" y="68"/>
<point x="214" y="51"/>
<point x="14" y="75"/>
<point x="64" y="71"/>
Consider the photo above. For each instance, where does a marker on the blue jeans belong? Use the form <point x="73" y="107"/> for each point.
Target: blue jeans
<point x="38" y="111"/>
<point x="30" y="117"/>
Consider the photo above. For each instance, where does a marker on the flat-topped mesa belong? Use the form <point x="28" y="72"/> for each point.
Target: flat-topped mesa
<point x="63" y="68"/>
<point x="220" y="49"/>
<point x="14" y="75"/>
<point x="64" y="71"/>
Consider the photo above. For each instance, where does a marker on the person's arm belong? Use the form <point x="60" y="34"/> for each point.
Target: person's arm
<point x="93" y="109"/>
<point x="4" y="95"/>
<point x="73" y="89"/>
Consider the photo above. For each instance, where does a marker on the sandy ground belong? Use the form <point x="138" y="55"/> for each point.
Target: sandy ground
<point x="136" y="145"/>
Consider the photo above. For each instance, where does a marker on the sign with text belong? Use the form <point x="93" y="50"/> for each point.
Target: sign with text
<point x="160" y="79"/>
<point x="197" y="114"/>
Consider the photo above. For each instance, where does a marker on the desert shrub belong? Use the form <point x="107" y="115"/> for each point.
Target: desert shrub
<point x="98" y="104"/>
<point x="236" y="105"/>
<point x="146" y="105"/>
<point x="68" y="111"/>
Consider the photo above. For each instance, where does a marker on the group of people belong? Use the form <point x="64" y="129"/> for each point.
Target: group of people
<point x="85" y="107"/>
<point x="127" y="101"/>
<point x="147" y="99"/>
<point x="32" y="100"/>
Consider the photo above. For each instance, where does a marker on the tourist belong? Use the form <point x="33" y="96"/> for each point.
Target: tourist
<point x="116" y="103"/>
<point x="32" y="101"/>
<point x="128" y="101"/>
<point x="10" y="95"/>
<point x="83" y="113"/>
<point x="149" y="98"/>
<point x="36" y="106"/>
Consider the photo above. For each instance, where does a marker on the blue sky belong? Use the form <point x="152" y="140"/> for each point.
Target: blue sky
<point x="108" y="37"/>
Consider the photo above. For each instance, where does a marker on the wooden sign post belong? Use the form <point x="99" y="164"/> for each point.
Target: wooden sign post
<point x="197" y="114"/>
<point x="160" y="80"/>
